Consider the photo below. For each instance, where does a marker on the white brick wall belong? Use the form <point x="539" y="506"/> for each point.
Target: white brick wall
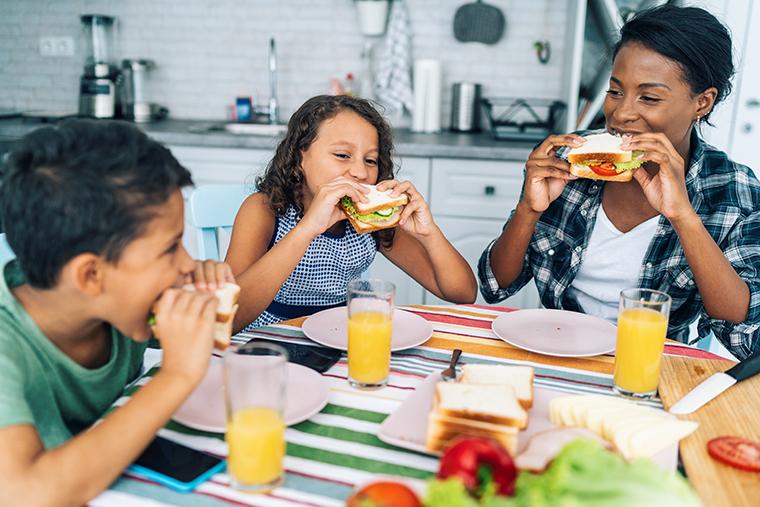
<point x="210" y="51"/>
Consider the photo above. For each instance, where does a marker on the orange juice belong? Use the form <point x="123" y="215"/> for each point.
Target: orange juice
<point x="256" y="441"/>
<point x="640" y="342"/>
<point x="369" y="347"/>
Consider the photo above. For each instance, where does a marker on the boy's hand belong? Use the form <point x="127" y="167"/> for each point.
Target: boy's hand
<point x="210" y="275"/>
<point x="184" y="326"/>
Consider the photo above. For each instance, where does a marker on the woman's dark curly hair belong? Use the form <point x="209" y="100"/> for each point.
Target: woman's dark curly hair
<point x="283" y="180"/>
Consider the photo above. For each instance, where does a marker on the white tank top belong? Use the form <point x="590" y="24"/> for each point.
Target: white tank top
<point x="611" y="263"/>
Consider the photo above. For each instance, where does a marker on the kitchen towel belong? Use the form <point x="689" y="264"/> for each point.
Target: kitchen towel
<point x="426" y="116"/>
<point x="393" y="84"/>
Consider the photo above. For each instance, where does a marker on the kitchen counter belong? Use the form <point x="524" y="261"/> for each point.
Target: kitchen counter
<point x="195" y="133"/>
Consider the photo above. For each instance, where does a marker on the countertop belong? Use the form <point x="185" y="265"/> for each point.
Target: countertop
<point x="407" y="143"/>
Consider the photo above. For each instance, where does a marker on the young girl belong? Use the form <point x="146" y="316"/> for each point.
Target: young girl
<point x="293" y="251"/>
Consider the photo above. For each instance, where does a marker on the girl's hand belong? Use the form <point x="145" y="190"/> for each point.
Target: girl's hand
<point x="324" y="212"/>
<point x="547" y="175"/>
<point x="666" y="190"/>
<point x="184" y="326"/>
<point x="210" y="275"/>
<point x="416" y="218"/>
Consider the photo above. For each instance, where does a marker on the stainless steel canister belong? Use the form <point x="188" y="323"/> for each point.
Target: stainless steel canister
<point x="465" y="107"/>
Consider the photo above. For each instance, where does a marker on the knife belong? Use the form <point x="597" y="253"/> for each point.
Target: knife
<point x="716" y="384"/>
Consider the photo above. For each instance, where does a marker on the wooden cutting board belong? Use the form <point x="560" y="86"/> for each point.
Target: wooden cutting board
<point x="734" y="412"/>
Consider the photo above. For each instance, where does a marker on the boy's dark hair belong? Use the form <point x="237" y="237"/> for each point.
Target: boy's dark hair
<point x="691" y="37"/>
<point x="283" y="179"/>
<point x="82" y="186"/>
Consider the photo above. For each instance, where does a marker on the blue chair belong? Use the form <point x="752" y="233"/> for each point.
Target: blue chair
<point x="6" y="253"/>
<point x="211" y="208"/>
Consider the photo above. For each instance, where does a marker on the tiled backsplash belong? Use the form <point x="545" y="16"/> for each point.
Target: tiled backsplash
<point x="210" y="51"/>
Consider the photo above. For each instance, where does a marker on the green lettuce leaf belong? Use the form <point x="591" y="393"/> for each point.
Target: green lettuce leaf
<point x="584" y="474"/>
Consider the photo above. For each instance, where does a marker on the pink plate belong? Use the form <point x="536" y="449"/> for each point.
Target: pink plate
<point x="330" y="328"/>
<point x="407" y="426"/>
<point x="307" y="394"/>
<point x="556" y="332"/>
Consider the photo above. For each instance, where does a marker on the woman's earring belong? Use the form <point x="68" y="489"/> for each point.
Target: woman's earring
<point x="698" y="118"/>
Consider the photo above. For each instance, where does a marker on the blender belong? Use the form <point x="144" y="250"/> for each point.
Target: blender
<point x="97" y="90"/>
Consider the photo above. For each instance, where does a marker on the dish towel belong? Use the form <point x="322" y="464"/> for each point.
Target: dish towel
<point x="393" y="82"/>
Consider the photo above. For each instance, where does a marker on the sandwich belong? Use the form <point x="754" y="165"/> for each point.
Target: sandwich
<point x="600" y="158"/>
<point x="382" y="211"/>
<point x="225" y="313"/>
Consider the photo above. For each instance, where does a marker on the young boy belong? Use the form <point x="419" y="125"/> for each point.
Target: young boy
<point x="94" y="213"/>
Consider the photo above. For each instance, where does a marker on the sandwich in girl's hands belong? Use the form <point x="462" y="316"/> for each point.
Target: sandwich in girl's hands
<point x="601" y="158"/>
<point x="381" y="211"/>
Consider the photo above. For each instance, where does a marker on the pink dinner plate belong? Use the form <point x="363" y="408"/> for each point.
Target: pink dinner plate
<point x="330" y="328"/>
<point x="556" y="332"/>
<point x="307" y="394"/>
<point x="407" y="426"/>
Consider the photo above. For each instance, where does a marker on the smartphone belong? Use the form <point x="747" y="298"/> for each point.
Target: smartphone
<point x="319" y="359"/>
<point x="175" y="465"/>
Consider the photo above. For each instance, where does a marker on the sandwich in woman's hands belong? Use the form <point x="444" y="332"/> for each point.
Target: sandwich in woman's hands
<point x="225" y="312"/>
<point x="600" y="158"/>
<point x="381" y="210"/>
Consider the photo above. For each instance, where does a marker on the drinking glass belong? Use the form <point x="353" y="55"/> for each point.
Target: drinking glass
<point x="370" y="317"/>
<point x="641" y="329"/>
<point x="255" y="381"/>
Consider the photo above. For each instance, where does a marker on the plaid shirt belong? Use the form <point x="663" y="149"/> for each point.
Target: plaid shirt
<point x="725" y="195"/>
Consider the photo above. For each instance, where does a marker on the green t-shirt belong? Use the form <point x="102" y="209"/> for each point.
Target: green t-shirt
<point x="42" y="386"/>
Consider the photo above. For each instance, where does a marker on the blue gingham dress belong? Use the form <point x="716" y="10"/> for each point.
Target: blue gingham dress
<point x="320" y="278"/>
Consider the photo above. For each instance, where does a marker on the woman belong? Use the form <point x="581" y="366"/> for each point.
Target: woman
<point x="689" y="222"/>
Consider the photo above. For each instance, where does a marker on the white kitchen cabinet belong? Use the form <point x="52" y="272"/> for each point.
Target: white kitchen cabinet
<point x="408" y="292"/>
<point x="470" y="238"/>
<point x="471" y="200"/>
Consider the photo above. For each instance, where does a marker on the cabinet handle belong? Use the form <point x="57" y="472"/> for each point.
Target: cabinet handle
<point x="489" y="190"/>
<point x="753" y="103"/>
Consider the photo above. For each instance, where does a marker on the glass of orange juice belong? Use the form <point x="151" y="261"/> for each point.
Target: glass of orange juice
<point x="370" y="317"/>
<point x="641" y="328"/>
<point x="255" y="381"/>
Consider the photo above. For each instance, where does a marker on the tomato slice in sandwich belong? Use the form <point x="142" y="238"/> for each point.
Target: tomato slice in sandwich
<point x="736" y="452"/>
<point x="606" y="169"/>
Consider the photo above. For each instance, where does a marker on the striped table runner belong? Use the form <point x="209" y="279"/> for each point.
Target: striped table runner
<point x="338" y="448"/>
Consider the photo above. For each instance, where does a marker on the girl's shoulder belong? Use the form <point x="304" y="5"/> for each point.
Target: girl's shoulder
<point x="256" y="213"/>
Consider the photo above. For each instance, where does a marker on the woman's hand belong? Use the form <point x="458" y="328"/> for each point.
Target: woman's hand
<point x="210" y="275"/>
<point x="416" y="218"/>
<point x="666" y="190"/>
<point x="547" y="175"/>
<point x="324" y="212"/>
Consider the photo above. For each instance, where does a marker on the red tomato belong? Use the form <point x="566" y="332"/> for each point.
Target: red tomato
<point x="465" y="457"/>
<point x="736" y="451"/>
<point x="606" y="169"/>
<point x="384" y="494"/>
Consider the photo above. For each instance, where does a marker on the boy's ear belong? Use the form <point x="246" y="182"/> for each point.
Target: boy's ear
<point x="85" y="273"/>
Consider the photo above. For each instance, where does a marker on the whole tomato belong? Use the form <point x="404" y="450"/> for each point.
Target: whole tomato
<point x="384" y="494"/>
<point x="475" y="461"/>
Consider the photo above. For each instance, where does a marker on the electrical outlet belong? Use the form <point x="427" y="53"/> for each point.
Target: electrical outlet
<point x="56" y="46"/>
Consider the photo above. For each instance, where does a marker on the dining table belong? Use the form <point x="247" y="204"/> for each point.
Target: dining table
<point x="337" y="449"/>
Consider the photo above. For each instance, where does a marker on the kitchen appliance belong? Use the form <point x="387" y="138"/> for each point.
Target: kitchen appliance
<point x="133" y="84"/>
<point x="97" y="90"/>
<point x="465" y="107"/>
<point x="716" y="384"/>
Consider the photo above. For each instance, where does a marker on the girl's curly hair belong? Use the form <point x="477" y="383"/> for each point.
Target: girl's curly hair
<point x="283" y="180"/>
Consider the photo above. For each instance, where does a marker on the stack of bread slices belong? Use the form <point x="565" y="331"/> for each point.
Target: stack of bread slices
<point x="488" y="401"/>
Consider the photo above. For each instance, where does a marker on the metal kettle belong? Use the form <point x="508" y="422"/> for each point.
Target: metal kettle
<point x="465" y="107"/>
